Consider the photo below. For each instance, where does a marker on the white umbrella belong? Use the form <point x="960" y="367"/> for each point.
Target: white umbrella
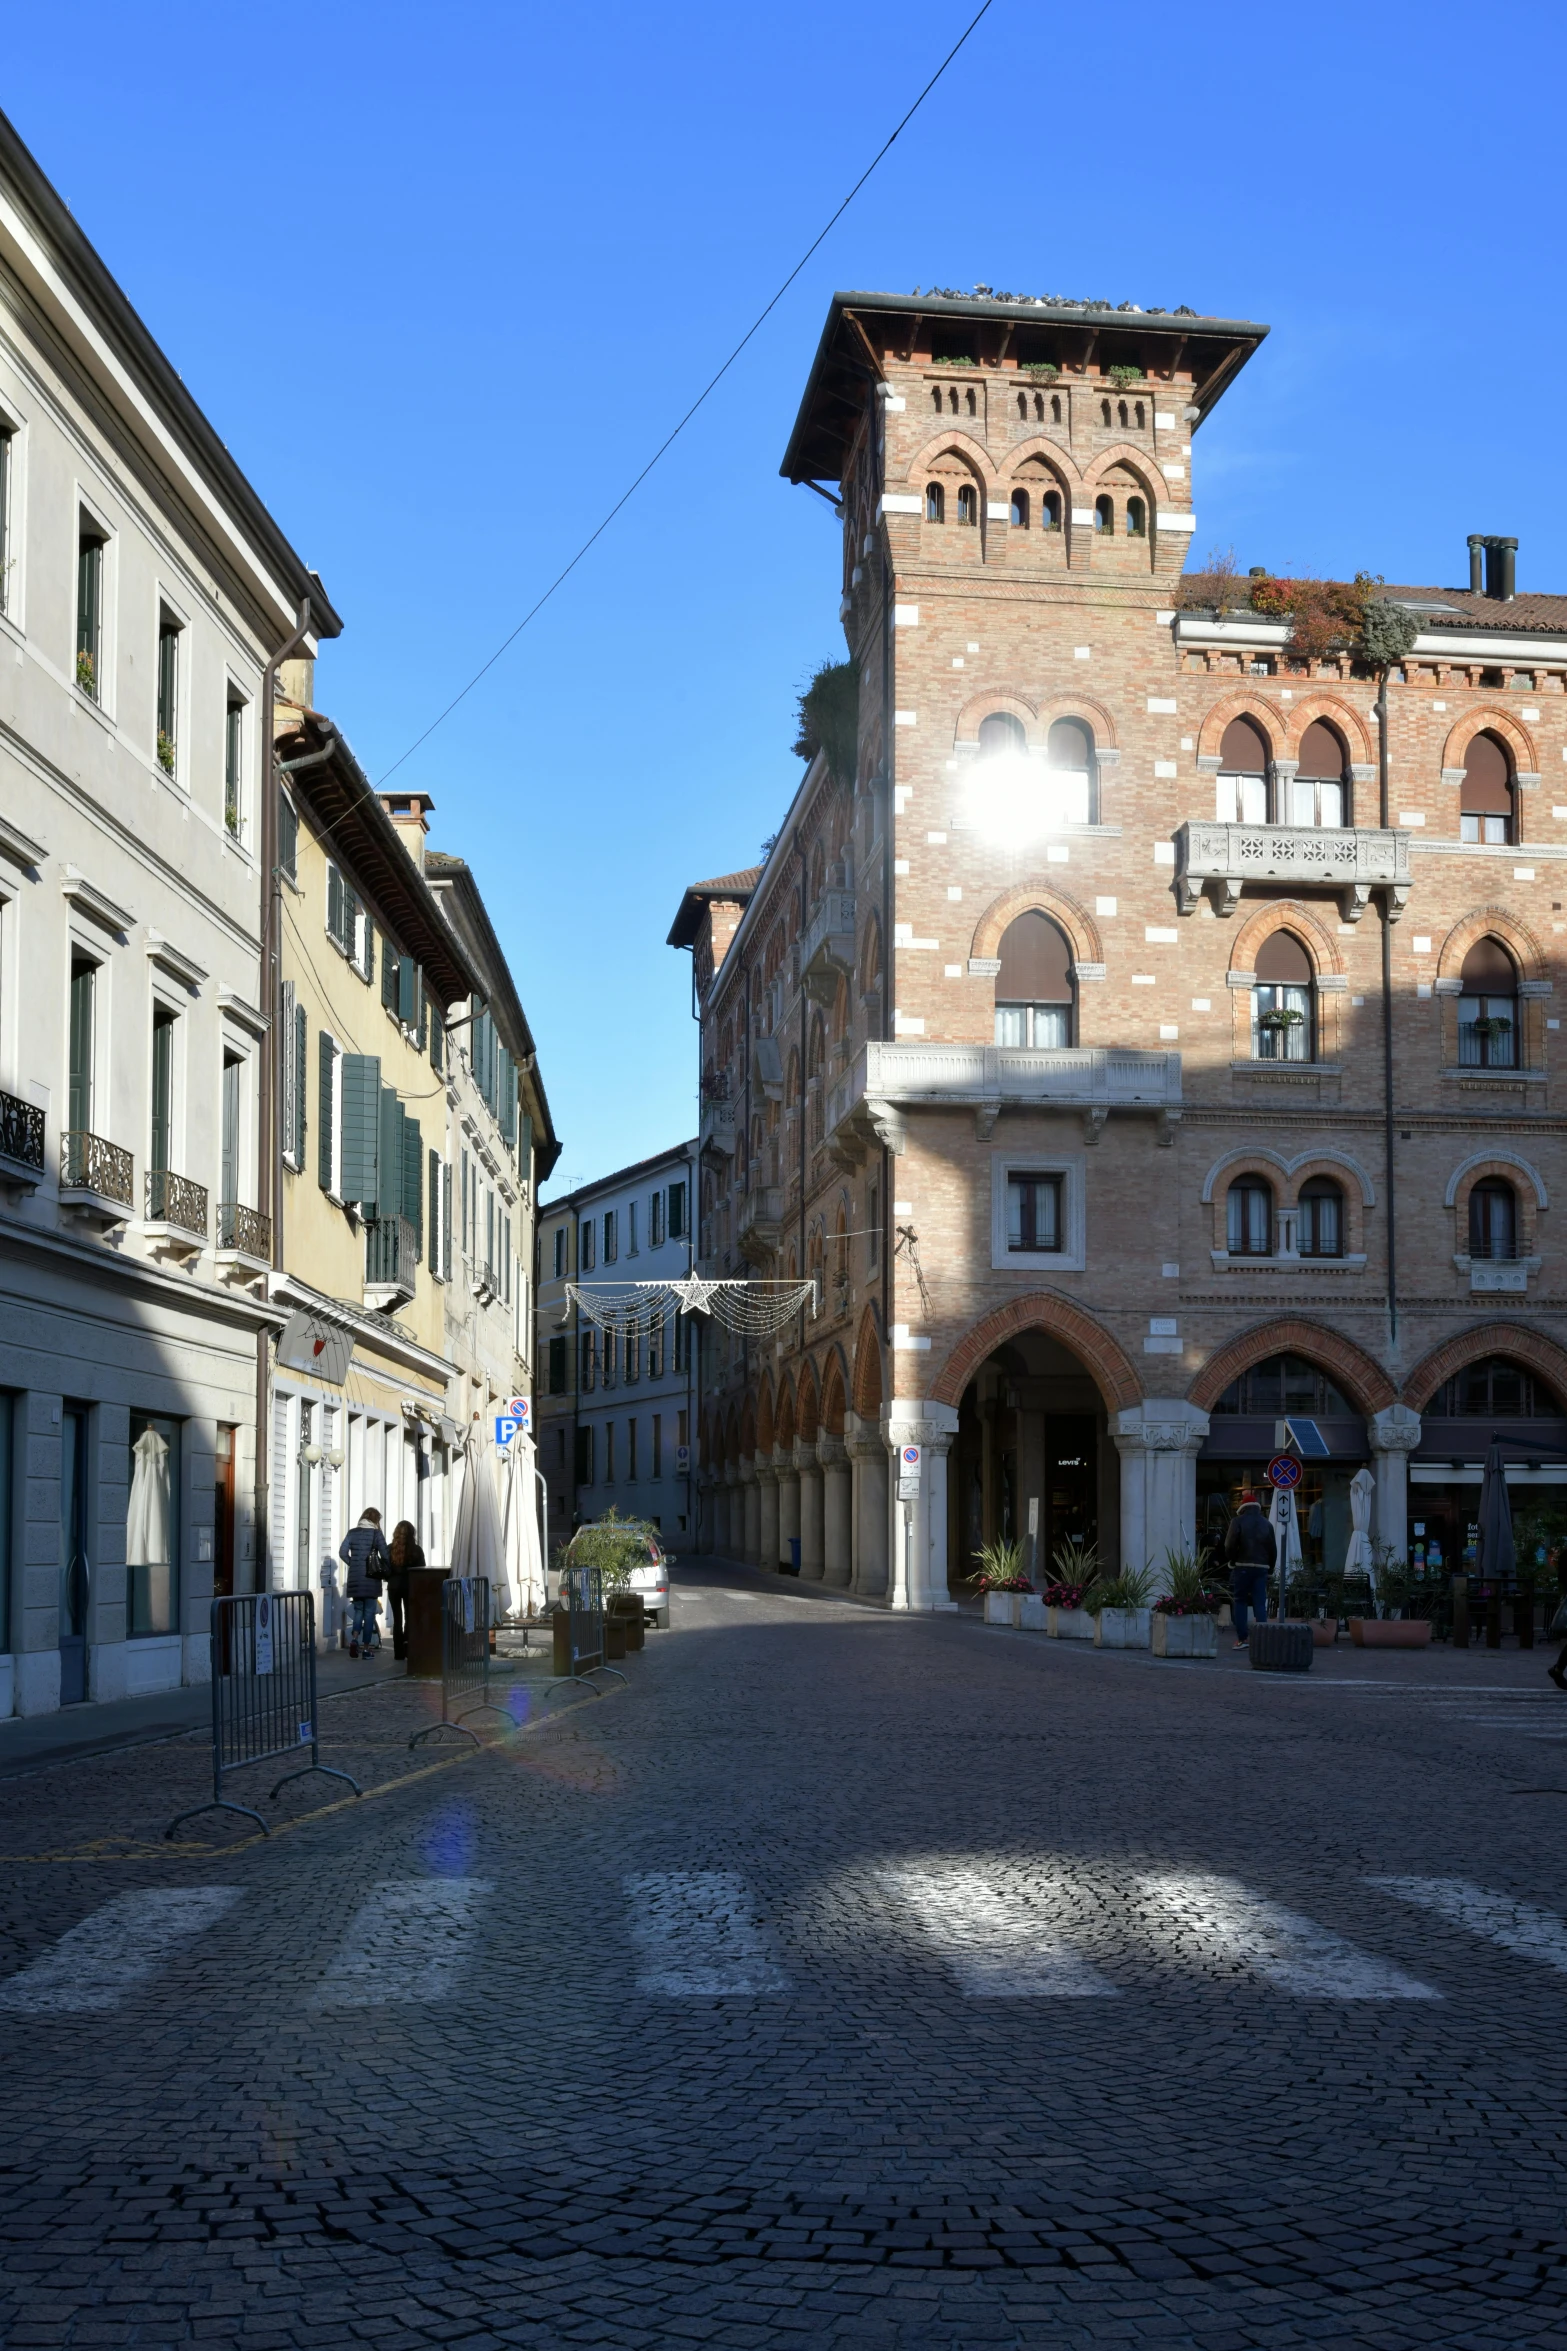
<point x="1359" y="1559"/>
<point x="524" y="1552"/>
<point x="476" y="1538"/>
<point x="1284" y="1517"/>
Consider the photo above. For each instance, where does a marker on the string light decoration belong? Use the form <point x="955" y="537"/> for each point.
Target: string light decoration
<point x="753" y="1309"/>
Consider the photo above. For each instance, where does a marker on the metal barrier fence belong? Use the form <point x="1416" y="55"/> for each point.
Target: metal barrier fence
<point x="582" y="1590"/>
<point x="263" y="1694"/>
<point x="466" y="1625"/>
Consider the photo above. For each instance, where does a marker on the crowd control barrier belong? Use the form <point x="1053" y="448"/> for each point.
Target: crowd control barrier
<point x="465" y="1657"/>
<point x="579" y="1630"/>
<point x="263" y="1694"/>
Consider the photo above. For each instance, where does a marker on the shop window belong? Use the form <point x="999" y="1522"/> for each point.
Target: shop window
<point x="1035" y="989"/>
<point x="152" y="1545"/>
<point x="1249" y="1218"/>
<point x="1486" y="809"/>
<point x="1488" y="1008"/>
<point x="1281" y="1001"/>
<point x="1493" y="1388"/>
<point x="1283" y="1384"/>
<point x="1319" y="790"/>
<point x="1321" y="1222"/>
<point x="1241" y="786"/>
<point x="1493" y="1219"/>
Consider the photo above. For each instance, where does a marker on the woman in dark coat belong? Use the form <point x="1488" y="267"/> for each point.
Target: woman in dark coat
<point x="406" y="1554"/>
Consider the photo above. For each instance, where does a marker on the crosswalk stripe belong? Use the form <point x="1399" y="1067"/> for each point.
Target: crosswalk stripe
<point x="998" y="1946"/>
<point x="1517" y="1926"/>
<point x="1220" y="1920"/>
<point x="115" y="1948"/>
<point x="410" y="1940"/>
<point x="698" y="1935"/>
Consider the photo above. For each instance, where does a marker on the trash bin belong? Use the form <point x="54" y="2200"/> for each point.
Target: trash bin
<point x="424" y="1622"/>
<point x="794" y="1554"/>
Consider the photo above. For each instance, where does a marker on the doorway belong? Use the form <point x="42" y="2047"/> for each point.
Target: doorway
<point x="1030" y="1462"/>
<point x="223" y="1515"/>
<point x="75" y="1575"/>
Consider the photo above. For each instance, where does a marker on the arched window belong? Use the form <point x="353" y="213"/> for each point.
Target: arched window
<point x="1034" y="989"/>
<point x="935" y="502"/>
<point x="1281" y="1384"/>
<point x="1485" y="803"/>
<point x="1241" y="786"/>
<point x="1020" y="510"/>
<point x="1249" y="1218"/>
<point x="1488" y="1007"/>
<point x="1104" y="514"/>
<point x="1070" y="769"/>
<point x="971" y="401"/>
<point x="1281" y="1002"/>
<point x="1320" y="1228"/>
<point x="1493" y="1219"/>
<point x="1055" y="408"/>
<point x="1022" y="406"/>
<point x="1494" y="1389"/>
<point x="1136" y="519"/>
<point x="1123" y="416"/>
<point x="1319" y="794"/>
<point x="1139" y="416"/>
<point x="968" y="504"/>
<point x="1039" y="407"/>
<point x="1002" y="732"/>
<point x="1050" y="511"/>
<point x="1104" y="412"/>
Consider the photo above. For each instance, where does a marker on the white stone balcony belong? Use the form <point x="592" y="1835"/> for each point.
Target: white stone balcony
<point x="718" y="1126"/>
<point x="827" y="949"/>
<point x="1352" y="862"/>
<point x="887" y="1081"/>
<point x="760" y="1223"/>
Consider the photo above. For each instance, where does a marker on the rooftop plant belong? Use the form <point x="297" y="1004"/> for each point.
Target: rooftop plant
<point x="1122" y="376"/>
<point x="1325" y="616"/>
<point x="830" y="718"/>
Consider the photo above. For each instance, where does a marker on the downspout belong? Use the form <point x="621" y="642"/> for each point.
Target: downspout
<point x="804" y="1088"/>
<point x="271" y="903"/>
<point x="1387" y="1027"/>
<point x="887" y="968"/>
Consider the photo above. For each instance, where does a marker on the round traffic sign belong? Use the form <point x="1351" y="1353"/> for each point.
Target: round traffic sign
<point x="911" y="1457"/>
<point x="1285" y="1472"/>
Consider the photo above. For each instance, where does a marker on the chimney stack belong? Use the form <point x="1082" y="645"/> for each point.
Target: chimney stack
<point x="409" y="812"/>
<point x="1501" y="567"/>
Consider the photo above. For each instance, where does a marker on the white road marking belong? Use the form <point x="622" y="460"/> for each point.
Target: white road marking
<point x="1219" y="1920"/>
<point x="1517" y="1926"/>
<point x="698" y="1935"/>
<point x="998" y="1945"/>
<point x="411" y="1940"/>
<point x="115" y="1949"/>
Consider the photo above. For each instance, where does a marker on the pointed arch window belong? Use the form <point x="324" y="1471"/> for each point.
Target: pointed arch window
<point x="1486" y="803"/>
<point x="1282" y="1001"/>
<point x="1050" y="511"/>
<point x="1319" y="790"/>
<point x="1104" y="515"/>
<point x="935" y="502"/>
<point x="1136" y="518"/>
<point x="1488" y="1007"/>
<point x="968" y="505"/>
<point x="1241" y="786"/>
<point x="1035" y="988"/>
<point x="1019" y="510"/>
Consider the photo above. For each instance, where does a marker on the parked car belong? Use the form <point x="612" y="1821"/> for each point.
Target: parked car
<point x="649" y="1562"/>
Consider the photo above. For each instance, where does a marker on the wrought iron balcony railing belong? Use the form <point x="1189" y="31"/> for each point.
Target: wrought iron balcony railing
<point x="174" y="1199"/>
<point x="391" y="1259"/>
<point x="245" y="1230"/>
<point x="21" y="1132"/>
<point x="90" y="1164"/>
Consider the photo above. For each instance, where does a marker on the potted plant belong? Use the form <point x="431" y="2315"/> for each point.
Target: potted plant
<point x="1000" y="1578"/>
<point x="1282" y="1017"/>
<point x="1390" y="1628"/>
<point x="1077" y="1571"/>
<point x="1121" y="1609"/>
<point x="1183" y="1621"/>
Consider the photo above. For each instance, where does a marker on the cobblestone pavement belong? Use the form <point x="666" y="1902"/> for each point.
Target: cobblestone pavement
<point x="842" y="1980"/>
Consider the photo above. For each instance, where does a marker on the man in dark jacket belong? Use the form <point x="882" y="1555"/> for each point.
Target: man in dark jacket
<point x="1251" y="1547"/>
<point x="364" y="1549"/>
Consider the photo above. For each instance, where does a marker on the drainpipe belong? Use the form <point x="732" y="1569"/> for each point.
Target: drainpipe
<point x="1387" y="1026"/>
<point x="271" y="901"/>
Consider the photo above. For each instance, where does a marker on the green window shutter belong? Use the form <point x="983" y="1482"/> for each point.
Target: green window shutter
<point x="434" y="1259"/>
<point x="369" y="963"/>
<point x="288" y="1034"/>
<point x="389" y="975"/>
<point x="324" y="1135"/>
<point x="361" y="1162"/>
<point x="446" y="1223"/>
<point x="288" y="836"/>
<point x="391" y="1123"/>
<point x="301" y="1084"/>
<point x="413" y="1181"/>
<point x="506" y="1093"/>
<point x="334" y="903"/>
<point x="407" y="991"/>
<point x="437" y="1041"/>
<point x="525" y="1149"/>
<point x="423" y="1002"/>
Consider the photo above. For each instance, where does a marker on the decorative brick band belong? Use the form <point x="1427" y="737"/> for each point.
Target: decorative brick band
<point x="1360" y="1376"/>
<point x="1487" y="1338"/>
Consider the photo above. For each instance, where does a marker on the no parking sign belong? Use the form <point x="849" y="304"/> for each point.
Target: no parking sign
<point x="1285" y="1472"/>
<point x="908" y="1473"/>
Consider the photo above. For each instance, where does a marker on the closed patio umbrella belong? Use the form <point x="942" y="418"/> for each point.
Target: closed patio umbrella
<point x="524" y="1553"/>
<point x="1284" y="1517"/>
<point x="1359" y="1558"/>
<point x="1496" y="1556"/>
<point x="476" y="1538"/>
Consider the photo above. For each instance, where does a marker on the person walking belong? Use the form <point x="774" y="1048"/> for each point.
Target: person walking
<point x="369" y="1562"/>
<point x="406" y="1553"/>
<point x="1251" y="1547"/>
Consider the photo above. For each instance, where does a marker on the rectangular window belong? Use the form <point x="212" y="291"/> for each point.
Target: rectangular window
<point x="609" y="1453"/>
<point x="7" y="495"/>
<point x="658" y="1445"/>
<point x="584" y="1461"/>
<point x="655" y="1221"/>
<point x="233" y="759"/>
<point x="84" y="982"/>
<point x="288" y="836"/>
<point x="680" y="1429"/>
<point x="437" y="1253"/>
<point x="446" y="1224"/>
<point x="89" y="608"/>
<point x="1488" y="1032"/>
<point x="588" y="1359"/>
<point x="631" y="1449"/>
<point x="467" y="1249"/>
<point x="229" y="1178"/>
<point x="560" y="1252"/>
<point x="1241" y="799"/>
<point x="152" y="1526"/>
<point x="611" y="1238"/>
<point x="1281" y="1023"/>
<point x="682" y="1350"/>
<point x="677" y="1212"/>
<point x="655" y="1352"/>
<point x="585" y="1245"/>
<point x="1034" y="1219"/>
<point x="326" y="1113"/>
<point x="162" y="1089"/>
<point x="633" y="1357"/>
<point x="609" y="1353"/>
<point x="557" y="1371"/>
<point x="168" y="690"/>
<point x="631" y="1229"/>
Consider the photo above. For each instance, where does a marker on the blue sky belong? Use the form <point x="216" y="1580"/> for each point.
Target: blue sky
<point x="444" y="278"/>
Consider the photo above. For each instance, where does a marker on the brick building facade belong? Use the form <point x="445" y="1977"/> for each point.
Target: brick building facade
<point x="1147" y="1040"/>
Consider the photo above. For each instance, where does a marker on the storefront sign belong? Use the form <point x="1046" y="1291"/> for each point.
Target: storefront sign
<point x="320" y="1349"/>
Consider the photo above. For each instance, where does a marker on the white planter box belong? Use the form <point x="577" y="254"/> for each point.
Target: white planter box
<point x="1123" y="1628"/>
<point x="1031" y="1615"/>
<point x="1070" y="1624"/>
<point x="1003" y="1607"/>
<point x="1185" y="1636"/>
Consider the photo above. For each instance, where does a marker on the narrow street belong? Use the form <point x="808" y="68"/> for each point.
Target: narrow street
<point x="844" y="1979"/>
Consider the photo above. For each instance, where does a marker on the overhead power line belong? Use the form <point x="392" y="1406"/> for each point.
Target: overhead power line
<point x="707" y="390"/>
